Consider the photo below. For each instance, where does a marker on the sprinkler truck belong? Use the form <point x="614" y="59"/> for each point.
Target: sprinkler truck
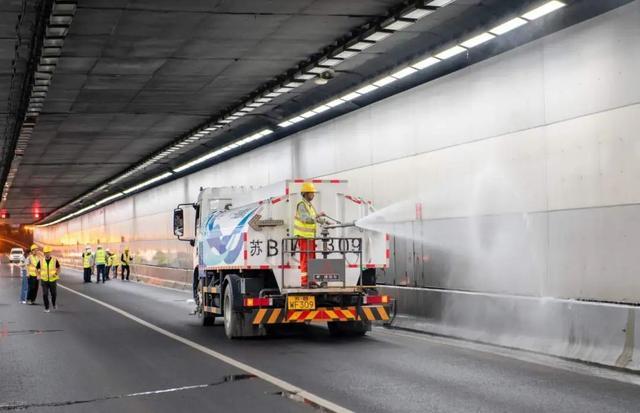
<point x="248" y="261"/>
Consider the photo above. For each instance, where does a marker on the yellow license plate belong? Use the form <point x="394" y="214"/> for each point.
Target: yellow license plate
<point x="301" y="302"/>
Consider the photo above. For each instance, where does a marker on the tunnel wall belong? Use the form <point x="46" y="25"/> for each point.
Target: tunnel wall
<point x="525" y="167"/>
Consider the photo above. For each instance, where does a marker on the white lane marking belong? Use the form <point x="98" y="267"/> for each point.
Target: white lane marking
<point x="522" y="355"/>
<point x="233" y="362"/>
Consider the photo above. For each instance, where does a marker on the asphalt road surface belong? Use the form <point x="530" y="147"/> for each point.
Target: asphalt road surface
<point x="136" y="349"/>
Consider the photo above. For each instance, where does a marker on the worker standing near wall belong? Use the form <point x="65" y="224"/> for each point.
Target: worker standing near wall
<point x="125" y="259"/>
<point x="32" y="273"/>
<point x="24" y="279"/>
<point x="87" y="263"/>
<point x="116" y="264"/>
<point x="101" y="262"/>
<point x="304" y="228"/>
<point x="107" y="270"/>
<point x="48" y="268"/>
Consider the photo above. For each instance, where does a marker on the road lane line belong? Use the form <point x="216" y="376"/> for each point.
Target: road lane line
<point x="286" y="386"/>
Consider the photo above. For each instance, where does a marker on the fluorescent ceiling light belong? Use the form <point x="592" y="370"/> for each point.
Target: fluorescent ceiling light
<point x="385" y="81"/>
<point x="336" y="102"/>
<point x="149" y="182"/>
<point x="239" y="114"/>
<point x="255" y="104"/>
<point x="264" y="100"/>
<point x="417" y="14"/>
<point x="450" y="52"/>
<point x="508" y="26"/>
<point x="110" y="198"/>
<point x="285" y="124"/>
<point x="398" y="25"/>
<point x="296" y="119"/>
<point x="350" y="96"/>
<point x="273" y="95"/>
<point x="308" y="114"/>
<point x="346" y="54"/>
<point x="477" y="40"/>
<point x="330" y="62"/>
<point x="211" y="129"/>
<point x="321" y="108"/>
<point x="305" y="76"/>
<point x="293" y="85"/>
<point x="543" y="10"/>
<point x="224" y="121"/>
<point x="423" y="64"/>
<point x="366" y="89"/>
<point x="317" y="70"/>
<point x="284" y="89"/>
<point x="360" y="46"/>
<point x="377" y="36"/>
<point x="404" y="72"/>
<point x="265" y="132"/>
<point x="247" y="110"/>
<point x="440" y="3"/>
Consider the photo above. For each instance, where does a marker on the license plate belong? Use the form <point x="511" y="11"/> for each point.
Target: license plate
<point x="301" y="302"/>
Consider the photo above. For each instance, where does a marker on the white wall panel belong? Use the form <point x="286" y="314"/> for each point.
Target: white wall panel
<point x="593" y="66"/>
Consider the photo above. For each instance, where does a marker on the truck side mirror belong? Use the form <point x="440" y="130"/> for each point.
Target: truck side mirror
<point x="178" y="222"/>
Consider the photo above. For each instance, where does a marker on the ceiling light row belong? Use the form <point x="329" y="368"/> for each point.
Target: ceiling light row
<point x="429" y="61"/>
<point x="56" y="29"/>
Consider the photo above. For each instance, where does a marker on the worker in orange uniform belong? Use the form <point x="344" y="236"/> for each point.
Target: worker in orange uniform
<point x="304" y="227"/>
<point x="48" y="268"/>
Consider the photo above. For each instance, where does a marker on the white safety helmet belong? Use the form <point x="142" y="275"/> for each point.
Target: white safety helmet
<point x="99" y="247"/>
<point x="87" y="248"/>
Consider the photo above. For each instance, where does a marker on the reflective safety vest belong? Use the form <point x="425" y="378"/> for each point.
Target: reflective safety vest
<point x="116" y="259"/>
<point x="101" y="257"/>
<point x="48" y="270"/>
<point x="302" y="229"/>
<point x="86" y="260"/>
<point x="109" y="260"/>
<point x="126" y="259"/>
<point x="32" y="261"/>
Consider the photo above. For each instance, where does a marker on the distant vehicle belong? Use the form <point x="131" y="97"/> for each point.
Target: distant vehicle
<point x="16" y="255"/>
<point x="247" y="260"/>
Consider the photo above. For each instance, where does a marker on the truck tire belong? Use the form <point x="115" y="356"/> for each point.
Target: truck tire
<point x="348" y="328"/>
<point x="232" y="322"/>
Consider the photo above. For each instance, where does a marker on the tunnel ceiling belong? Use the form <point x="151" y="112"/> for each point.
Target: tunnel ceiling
<point x="136" y="75"/>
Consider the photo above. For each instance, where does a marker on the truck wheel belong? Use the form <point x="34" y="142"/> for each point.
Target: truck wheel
<point x="348" y="328"/>
<point x="232" y="324"/>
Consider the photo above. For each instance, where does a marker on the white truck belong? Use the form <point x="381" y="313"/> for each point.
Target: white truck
<point x="246" y="261"/>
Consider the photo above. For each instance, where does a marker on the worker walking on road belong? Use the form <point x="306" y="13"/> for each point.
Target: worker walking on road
<point x="87" y="263"/>
<point x="24" y="279"/>
<point x="101" y="262"/>
<point x="49" y="268"/>
<point x="125" y="259"/>
<point x="32" y="274"/>
<point x="304" y="228"/>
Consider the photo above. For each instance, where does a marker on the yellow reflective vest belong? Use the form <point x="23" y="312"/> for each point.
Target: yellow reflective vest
<point x="86" y="260"/>
<point x="32" y="261"/>
<point x="300" y="228"/>
<point x="48" y="270"/>
<point x="101" y="257"/>
<point x="125" y="259"/>
<point x="116" y="259"/>
<point x="109" y="260"/>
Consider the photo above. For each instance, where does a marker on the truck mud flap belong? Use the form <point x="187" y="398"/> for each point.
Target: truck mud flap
<point x="282" y="316"/>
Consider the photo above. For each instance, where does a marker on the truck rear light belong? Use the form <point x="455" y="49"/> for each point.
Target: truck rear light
<point x="376" y="299"/>
<point x="258" y="302"/>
